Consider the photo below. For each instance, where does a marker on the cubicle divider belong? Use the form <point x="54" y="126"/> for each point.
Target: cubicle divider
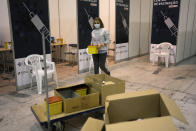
<point x="25" y="36"/>
<point x="122" y="30"/>
<point x="140" y="20"/>
<point x="186" y="42"/>
<point x="165" y="21"/>
<point x="87" y="11"/>
<point x="174" y="21"/>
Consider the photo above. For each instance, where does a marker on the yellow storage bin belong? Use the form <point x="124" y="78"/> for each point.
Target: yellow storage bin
<point x="5" y="45"/>
<point x="59" y="41"/>
<point x="82" y="91"/>
<point x="55" y="105"/>
<point x="92" y="50"/>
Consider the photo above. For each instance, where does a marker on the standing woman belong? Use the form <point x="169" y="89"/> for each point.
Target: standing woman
<point x="100" y="38"/>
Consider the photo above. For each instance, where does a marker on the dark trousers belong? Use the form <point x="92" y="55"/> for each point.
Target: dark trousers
<point x="99" y="61"/>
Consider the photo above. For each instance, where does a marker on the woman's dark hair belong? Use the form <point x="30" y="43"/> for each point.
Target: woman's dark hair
<point x="100" y="21"/>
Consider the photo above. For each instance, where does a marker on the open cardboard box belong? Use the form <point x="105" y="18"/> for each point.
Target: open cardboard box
<point x="105" y="85"/>
<point x="138" y="111"/>
<point x="73" y="102"/>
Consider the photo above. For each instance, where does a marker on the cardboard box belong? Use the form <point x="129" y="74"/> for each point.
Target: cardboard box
<point x="154" y="124"/>
<point x="140" y="111"/>
<point x="93" y="125"/>
<point x="106" y="85"/>
<point x="73" y="102"/>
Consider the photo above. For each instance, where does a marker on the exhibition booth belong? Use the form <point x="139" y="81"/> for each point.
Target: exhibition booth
<point x="136" y="28"/>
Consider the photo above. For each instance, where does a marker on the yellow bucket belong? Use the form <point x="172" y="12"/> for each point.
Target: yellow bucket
<point x="55" y="105"/>
<point x="92" y="50"/>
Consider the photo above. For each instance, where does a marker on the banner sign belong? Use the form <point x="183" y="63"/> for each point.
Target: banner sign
<point x="27" y="39"/>
<point x="165" y="21"/>
<point x="87" y="11"/>
<point x="122" y="29"/>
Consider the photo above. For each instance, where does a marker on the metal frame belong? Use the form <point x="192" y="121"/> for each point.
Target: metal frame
<point x="129" y="41"/>
<point x="150" y="25"/>
<point x="139" y="49"/>
<point x="13" y="51"/>
<point x="59" y="19"/>
<point x="77" y="35"/>
<point x="115" y="33"/>
<point x="45" y="124"/>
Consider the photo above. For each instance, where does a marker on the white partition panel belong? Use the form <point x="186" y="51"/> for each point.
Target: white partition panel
<point x="4" y="23"/>
<point x="150" y="26"/>
<point x="107" y="14"/>
<point x="145" y="26"/>
<point x="182" y="30"/>
<point x="134" y="28"/>
<point x="189" y="31"/>
<point x="54" y="18"/>
<point x="112" y="20"/>
<point x="68" y="20"/>
<point x="140" y="27"/>
<point x="193" y="43"/>
<point x="104" y="12"/>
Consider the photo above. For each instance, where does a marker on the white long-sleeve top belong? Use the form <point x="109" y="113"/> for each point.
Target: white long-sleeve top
<point x="100" y="36"/>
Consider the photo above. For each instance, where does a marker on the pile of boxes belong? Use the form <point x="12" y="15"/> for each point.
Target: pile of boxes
<point x="134" y="111"/>
<point x="105" y="85"/>
<point x="137" y="111"/>
<point x="90" y="94"/>
<point x="73" y="101"/>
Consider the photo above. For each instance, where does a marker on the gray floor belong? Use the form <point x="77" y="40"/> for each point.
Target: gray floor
<point x="178" y="82"/>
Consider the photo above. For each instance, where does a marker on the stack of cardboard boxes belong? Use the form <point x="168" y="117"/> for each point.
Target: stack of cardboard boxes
<point x="73" y="102"/>
<point x="90" y="94"/>
<point x="105" y="85"/>
<point x="134" y="111"/>
<point x="137" y="111"/>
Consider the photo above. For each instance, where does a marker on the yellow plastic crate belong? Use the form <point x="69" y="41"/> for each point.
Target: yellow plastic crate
<point x="59" y="41"/>
<point x="92" y="50"/>
<point x="54" y="107"/>
<point x="81" y="92"/>
<point x="5" y="45"/>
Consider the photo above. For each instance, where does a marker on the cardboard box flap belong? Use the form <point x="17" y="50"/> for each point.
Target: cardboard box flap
<point x="131" y="106"/>
<point x="70" y="85"/>
<point x="106" y="114"/>
<point x="173" y="109"/>
<point x="124" y="96"/>
<point x="93" y="125"/>
<point x="131" y="94"/>
<point x="153" y="124"/>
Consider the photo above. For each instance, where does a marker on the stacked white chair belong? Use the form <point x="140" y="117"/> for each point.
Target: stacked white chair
<point x="35" y="64"/>
<point x="164" y="51"/>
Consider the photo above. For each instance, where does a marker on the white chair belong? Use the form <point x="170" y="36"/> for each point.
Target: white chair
<point x="163" y="50"/>
<point x="35" y="63"/>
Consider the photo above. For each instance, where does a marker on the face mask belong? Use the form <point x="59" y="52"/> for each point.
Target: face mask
<point x="97" y="26"/>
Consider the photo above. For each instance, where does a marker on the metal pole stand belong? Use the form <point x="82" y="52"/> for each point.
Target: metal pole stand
<point x="46" y="79"/>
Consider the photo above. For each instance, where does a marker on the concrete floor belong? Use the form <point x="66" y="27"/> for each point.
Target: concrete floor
<point x="177" y="82"/>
